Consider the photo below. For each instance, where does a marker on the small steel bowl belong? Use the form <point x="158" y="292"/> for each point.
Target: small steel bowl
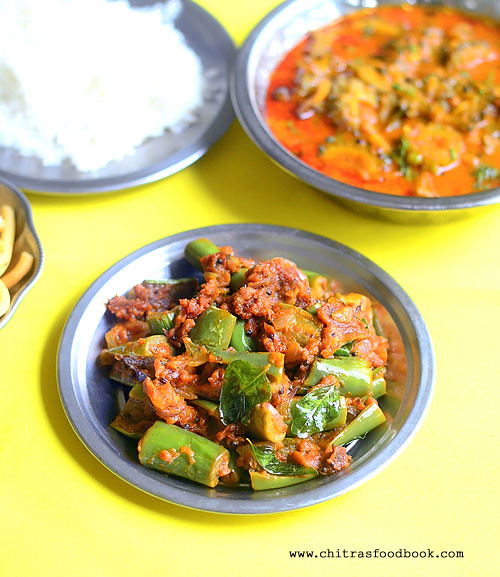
<point x="26" y="240"/>
<point x="262" y="51"/>
<point x="90" y="398"/>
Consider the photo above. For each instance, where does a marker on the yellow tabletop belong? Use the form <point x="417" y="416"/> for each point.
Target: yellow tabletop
<point x="63" y="513"/>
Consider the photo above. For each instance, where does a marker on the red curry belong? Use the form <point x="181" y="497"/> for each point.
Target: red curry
<point x="403" y="100"/>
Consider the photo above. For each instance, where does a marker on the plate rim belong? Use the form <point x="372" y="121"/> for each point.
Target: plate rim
<point x="190" y="497"/>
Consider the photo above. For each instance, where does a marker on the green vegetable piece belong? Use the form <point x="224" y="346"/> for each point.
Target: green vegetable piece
<point x="379" y="386"/>
<point x="304" y="326"/>
<point x="315" y="411"/>
<point x="197" y="249"/>
<point x="313" y="309"/>
<point x="213" y="328"/>
<point x="266" y="423"/>
<point x="367" y="420"/>
<point x="345" y="350"/>
<point x="161" y="322"/>
<point x="263" y="481"/>
<point x="185" y="454"/>
<point x="136" y="416"/>
<point x="237" y="474"/>
<point x="177" y="288"/>
<point x="144" y="347"/>
<point x="340" y="419"/>
<point x="316" y="282"/>
<point x="238" y="280"/>
<point x="123" y="374"/>
<point x="311" y="275"/>
<point x="266" y="457"/>
<point x="210" y="407"/>
<point x="354" y="374"/>
<point x="376" y="325"/>
<point x="243" y="387"/>
<point x="258" y="360"/>
<point x="240" y="341"/>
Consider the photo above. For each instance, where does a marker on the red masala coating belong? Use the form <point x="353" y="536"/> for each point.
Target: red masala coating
<point x="125" y="332"/>
<point x="231" y="435"/>
<point x="373" y="350"/>
<point x="128" y="309"/>
<point x="355" y="405"/>
<point x="209" y="387"/>
<point x="168" y="455"/>
<point x="268" y="283"/>
<point x="192" y="308"/>
<point x="149" y="297"/>
<point x="338" y="460"/>
<point x="306" y="454"/>
<point x="172" y="407"/>
<point x="343" y="323"/>
<point x="223" y="264"/>
<point x="163" y="297"/>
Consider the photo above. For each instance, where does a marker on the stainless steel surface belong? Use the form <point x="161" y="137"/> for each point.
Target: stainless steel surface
<point x="88" y="395"/>
<point x="157" y="157"/>
<point x="26" y="239"/>
<point x="264" y="48"/>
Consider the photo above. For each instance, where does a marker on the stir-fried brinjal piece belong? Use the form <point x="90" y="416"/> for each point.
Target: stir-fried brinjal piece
<point x="265" y="375"/>
<point x="136" y="416"/>
<point x="130" y="370"/>
<point x="155" y="345"/>
<point x="127" y="331"/>
<point x="343" y="323"/>
<point x="266" y="423"/>
<point x="151" y="296"/>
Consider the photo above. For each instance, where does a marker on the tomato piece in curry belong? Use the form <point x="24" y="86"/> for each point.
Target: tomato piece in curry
<point x="402" y="100"/>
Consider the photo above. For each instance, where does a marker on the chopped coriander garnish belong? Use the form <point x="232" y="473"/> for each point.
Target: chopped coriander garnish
<point x="399" y="156"/>
<point x="404" y="89"/>
<point x="453" y="154"/>
<point x="484" y="174"/>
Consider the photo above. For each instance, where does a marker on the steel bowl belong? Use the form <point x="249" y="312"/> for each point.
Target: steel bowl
<point x="26" y="240"/>
<point x="263" y="50"/>
<point x="90" y="398"/>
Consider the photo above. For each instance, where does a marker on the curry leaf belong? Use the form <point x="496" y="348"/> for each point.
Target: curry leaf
<point x="244" y="386"/>
<point x="314" y="411"/>
<point x="266" y="457"/>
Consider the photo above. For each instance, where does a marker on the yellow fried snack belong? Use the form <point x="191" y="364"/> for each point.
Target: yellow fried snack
<point x="20" y="269"/>
<point x="7" y="235"/>
<point x="4" y="298"/>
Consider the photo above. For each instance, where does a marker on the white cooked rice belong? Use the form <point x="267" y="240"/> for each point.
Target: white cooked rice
<point x="89" y="80"/>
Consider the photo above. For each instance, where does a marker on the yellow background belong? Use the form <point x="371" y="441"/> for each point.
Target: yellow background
<point x="63" y="513"/>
